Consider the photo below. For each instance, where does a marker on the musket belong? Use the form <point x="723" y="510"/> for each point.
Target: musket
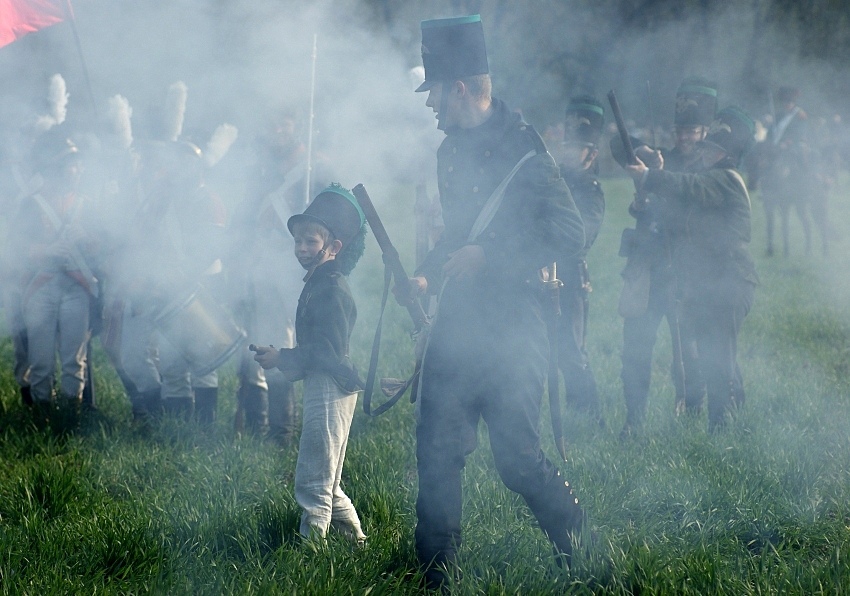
<point x="308" y="179"/>
<point x="631" y="158"/>
<point x="651" y="116"/>
<point x="404" y="294"/>
<point x="553" y="286"/>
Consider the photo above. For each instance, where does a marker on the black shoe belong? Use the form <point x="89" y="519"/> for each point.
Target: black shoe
<point x="26" y="396"/>
<point x="206" y="401"/>
<point x="66" y="415"/>
<point x="178" y="407"/>
<point x="252" y="411"/>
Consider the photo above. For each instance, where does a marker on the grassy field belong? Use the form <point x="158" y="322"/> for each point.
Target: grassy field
<point x="761" y="508"/>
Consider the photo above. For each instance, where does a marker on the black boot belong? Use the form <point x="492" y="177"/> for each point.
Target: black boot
<point x="147" y="406"/>
<point x="42" y="413"/>
<point x="206" y="401"/>
<point x="66" y="416"/>
<point x="252" y="410"/>
<point x="559" y="515"/>
<point x="178" y="407"/>
<point x="26" y="395"/>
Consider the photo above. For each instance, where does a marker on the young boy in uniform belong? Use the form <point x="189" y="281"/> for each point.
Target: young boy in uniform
<point x="329" y="240"/>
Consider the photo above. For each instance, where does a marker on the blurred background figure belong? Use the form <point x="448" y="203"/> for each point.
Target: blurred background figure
<point x="787" y="169"/>
<point x="264" y="278"/>
<point x="651" y="290"/>
<point x="128" y="337"/>
<point x="584" y="121"/>
<point x="713" y="261"/>
<point x="186" y="223"/>
<point x="52" y="233"/>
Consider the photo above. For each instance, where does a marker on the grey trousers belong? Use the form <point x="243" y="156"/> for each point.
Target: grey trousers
<point x="328" y="412"/>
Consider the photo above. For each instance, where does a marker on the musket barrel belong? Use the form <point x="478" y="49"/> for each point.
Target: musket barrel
<point x="621" y="128"/>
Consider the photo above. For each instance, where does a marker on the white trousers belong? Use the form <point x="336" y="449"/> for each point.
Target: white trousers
<point x="56" y="316"/>
<point x="138" y="350"/>
<point x="327" y="416"/>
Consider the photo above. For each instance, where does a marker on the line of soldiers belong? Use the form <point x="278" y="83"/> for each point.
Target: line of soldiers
<point x="687" y="257"/>
<point x="123" y="238"/>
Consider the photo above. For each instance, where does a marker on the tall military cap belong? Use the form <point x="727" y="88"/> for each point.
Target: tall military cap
<point x="336" y="209"/>
<point x="733" y="131"/>
<point x="696" y="102"/>
<point x="585" y="118"/>
<point x="53" y="149"/>
<point x="452" y="49"/>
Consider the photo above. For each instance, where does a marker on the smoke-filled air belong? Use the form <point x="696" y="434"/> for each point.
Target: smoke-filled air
<point x="456" y="296"/>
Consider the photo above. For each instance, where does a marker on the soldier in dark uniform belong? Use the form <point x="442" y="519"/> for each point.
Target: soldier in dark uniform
<point x="507" y="214"/>
<point x="651" y="290"/>
<point x="712" y="256"/>
<point x="582" y="130"/>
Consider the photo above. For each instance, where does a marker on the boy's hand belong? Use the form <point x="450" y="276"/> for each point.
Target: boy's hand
<point x="267" y="356"/>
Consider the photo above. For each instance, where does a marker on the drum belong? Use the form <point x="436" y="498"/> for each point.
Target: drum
<point x="203" y="332"/>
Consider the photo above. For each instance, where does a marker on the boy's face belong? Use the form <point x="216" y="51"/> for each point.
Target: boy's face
<point x="308" y="243"/>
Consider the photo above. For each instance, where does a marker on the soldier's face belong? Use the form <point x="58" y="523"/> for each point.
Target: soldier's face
<point x="578" y="156"/>
<point x="688" y="136"/>
<point x="435" y="102"/>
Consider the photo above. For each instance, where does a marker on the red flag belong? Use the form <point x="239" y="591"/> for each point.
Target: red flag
<point x="19" y="17"/>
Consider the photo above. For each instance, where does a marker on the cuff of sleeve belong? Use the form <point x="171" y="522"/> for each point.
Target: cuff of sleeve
<point x="290" y="364"/>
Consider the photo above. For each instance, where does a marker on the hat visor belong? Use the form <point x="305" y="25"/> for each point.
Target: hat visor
<point x="425" y="86"/>
<point x="305" y="218"/>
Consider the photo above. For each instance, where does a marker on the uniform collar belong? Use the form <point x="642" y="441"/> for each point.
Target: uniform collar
<point x="501" y="118"/>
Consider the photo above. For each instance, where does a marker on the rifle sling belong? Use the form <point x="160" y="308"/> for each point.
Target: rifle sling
<point x="482" y="221"/>
<point x="373" y="362"/>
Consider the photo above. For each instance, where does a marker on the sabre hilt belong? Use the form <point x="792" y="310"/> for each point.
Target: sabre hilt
<point x="553" y="285"/>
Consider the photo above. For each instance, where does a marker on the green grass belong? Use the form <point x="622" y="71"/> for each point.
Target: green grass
<point x="761" y="508"/>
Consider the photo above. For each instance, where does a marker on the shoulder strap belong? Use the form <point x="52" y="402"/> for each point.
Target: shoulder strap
<point x="783" y="124"/>
<point x="740" y="180"/>
<point x="77" y="257"/>
<point x="495" y="200"/>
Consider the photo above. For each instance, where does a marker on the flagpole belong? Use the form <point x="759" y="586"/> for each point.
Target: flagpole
<point x="72" y="20"/>
<point x="310" y="126"/>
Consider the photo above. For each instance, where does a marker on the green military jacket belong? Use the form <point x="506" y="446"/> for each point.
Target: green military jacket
<point x="711" y="254"/>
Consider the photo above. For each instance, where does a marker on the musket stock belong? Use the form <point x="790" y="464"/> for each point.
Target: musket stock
<point x="391" y="259"/>
<point x="393" y="388"/>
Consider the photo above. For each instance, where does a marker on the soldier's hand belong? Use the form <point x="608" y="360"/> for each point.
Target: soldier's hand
<point x="416" y="286"/>
<point x="637" y="171"/>
<point x="267" y="356"/>
<point x="651" y="157"/>
<point x="465" y="262"/>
